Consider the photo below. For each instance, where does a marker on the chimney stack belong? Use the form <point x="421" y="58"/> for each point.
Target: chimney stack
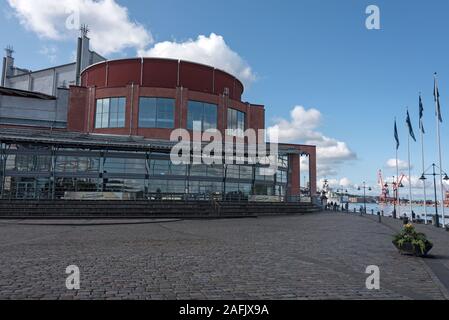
<point x="8" y="65"/>
<point x="82" y="53"/>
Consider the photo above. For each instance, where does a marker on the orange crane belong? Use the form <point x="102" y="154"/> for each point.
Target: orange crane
<point x="385" y="191"/>
<point x="396" y="187"/>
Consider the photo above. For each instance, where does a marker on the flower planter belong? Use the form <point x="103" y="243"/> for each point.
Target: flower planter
<point x="411" y="250"/>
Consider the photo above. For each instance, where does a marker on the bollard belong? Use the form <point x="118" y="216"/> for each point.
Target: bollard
<point x="380" y="217"/>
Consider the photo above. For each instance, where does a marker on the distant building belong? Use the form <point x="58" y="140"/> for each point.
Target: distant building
<point x="47" y="81"/>
<point x="40" y="98"/>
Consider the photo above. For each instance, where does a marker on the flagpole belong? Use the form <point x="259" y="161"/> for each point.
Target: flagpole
<point x="438" y="115"/>
<point x="398" y="211"/>
<point x="398" y="208"/>
<point x="423" y="170"/>
<point x="410" y="178"/>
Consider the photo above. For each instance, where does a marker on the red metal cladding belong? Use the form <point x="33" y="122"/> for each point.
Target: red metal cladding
<point x="95" y="77"/>
<point x="196" y="77"/>
<point x="160" y="73"/>
<point x="124" y="72"/>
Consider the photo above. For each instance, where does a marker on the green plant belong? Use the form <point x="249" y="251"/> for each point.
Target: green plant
<point x="409" y="235"/>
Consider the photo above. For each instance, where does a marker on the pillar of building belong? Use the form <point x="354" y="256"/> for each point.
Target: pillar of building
<point x="293" y="186"/>
<point x="313" y="171"/>
<point x="78" y="109"/>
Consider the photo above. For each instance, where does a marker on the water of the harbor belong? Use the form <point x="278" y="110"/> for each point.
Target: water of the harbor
<point x="401" y="210"/>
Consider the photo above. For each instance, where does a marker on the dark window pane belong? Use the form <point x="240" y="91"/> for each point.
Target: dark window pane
<point x="236" y="122"/>
<point x="204" y="113"/>
<point x="147" y="113"/>
<point x="165" y="113"/>
<point x="210" y="117"/>
<point x="156" y="113"/>
<point x="195" y="113"/>
<point x="98" y="113"/>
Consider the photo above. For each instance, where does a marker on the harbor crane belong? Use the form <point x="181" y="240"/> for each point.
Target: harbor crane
<point x="385" y="193"/>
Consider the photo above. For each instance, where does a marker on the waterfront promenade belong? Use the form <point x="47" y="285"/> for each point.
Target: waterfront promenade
<point x="317" y="256"/>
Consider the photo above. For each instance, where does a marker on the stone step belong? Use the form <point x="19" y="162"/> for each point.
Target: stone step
<point x="149" y="208"/>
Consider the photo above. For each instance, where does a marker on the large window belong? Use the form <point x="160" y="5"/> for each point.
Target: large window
<point x="204" y="113"/>
<point x="110" y="113"/>
<point x="236" y="122"/>
<point x="156" y="113"/>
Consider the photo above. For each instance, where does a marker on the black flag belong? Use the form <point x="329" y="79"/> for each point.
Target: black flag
<point x="396" y="135"/>
<point x="410" y="128"/>
<point x="436" y="94"/>
<point x="421" y="114"/>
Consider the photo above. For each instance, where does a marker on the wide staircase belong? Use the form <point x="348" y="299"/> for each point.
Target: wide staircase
<point x="65" y="209"/>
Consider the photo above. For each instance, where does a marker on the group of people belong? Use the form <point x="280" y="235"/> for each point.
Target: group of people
<point x="415" y="217"/>
<point x="334" y="206"/>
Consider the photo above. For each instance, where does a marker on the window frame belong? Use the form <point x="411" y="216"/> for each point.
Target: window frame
<point x="204" y="107"/>
<point x="159" y="109"/>
<point x="236" y="117"/>
<point x="111" y="110"/>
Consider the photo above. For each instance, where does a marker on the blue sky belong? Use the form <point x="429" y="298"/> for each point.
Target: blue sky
<point x="315" y="54"/>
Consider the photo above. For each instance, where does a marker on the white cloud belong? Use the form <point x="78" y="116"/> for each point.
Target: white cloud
<point x="211" y="50"/>
<point x="402" y="165"/>
<point x="345" y="182"/>
<point x="302" y="128"/>
<point x="111" y="28"/>
<point x="112" y="31"/>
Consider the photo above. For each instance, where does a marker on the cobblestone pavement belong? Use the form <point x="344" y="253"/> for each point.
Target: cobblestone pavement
<point x="438" y="260"/>
<point x="322" y="256"/>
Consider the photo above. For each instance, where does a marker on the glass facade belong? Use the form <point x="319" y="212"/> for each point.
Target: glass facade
<point x="236" y="122"/>
<point x="110" y="113"/>
<point x="204" y="113"/>
<point x="41" y="172"/>
<point x="156" y="113"/>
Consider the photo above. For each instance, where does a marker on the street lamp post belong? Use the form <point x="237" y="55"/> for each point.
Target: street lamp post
<point x="396" y="185"/>
<point x="395" y="195"/>
<point x="364" y="196"/>
<point x="343" y="194"/>
<point x="434" y="174"/>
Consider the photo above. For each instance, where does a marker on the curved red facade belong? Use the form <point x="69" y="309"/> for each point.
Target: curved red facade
<point x="159" y="78"/>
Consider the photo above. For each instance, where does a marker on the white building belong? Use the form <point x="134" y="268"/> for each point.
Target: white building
<point x="18" y="104"/>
